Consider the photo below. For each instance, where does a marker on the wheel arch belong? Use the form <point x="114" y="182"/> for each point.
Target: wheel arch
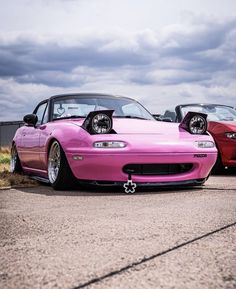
<point x="18" y="166"/>
<point x="65" y="170"/>
<point x="65" y="136"/>
<point x="49" y="144"/>
<point x="51" y="140"/>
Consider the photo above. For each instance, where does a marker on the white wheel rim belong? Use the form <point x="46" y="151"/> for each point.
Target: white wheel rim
<point x="13" y="159"/>
<point x="54" y="161"/>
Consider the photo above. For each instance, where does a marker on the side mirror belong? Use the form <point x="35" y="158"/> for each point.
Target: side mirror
<point x="30" y="119"/>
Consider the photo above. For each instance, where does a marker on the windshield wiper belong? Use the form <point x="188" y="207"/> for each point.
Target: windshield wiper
<point x="129" y="116"/>
<point x="229" y="118"/>
<point x="71" y="116"/>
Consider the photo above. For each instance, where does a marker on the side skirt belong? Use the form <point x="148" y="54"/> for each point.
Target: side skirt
<point x="40" y="179"/>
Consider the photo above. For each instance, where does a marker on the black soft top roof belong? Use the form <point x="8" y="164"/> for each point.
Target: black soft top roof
<point x="202" y="104"/>
<point x="88" y="95"/>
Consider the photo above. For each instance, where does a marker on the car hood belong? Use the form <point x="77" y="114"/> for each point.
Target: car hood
<point x="140" y="126"/>
<point x="229" y="125"/>
<point x="147" y="134"/>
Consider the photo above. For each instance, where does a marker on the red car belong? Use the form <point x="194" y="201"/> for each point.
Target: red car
<point x="221" y="125"/>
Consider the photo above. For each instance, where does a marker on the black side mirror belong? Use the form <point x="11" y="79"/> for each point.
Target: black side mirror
<point x="30" y="119"/>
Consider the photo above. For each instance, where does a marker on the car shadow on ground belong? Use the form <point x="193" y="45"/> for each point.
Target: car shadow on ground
<point x="45" y="189"/>
<point x="226" y="172"/>
<point x="88" y="190"/>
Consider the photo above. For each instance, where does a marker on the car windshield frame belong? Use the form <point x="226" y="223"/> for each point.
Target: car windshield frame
<point x="215" y="112"/>
<point x="80" y="106"/>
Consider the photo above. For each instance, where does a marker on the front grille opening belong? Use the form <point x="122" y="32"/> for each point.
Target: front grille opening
<point x="105" y="182"/>
<point x="157" y="169"/>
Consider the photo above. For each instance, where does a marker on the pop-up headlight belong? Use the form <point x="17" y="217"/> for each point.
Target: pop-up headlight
<point x="194" y="122"/>
<point x="99" y="122"/>
<point x="197" y="125"/>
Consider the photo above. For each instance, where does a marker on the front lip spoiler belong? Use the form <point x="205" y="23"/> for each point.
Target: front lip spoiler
<point x="179" y="184"/>
<point x="196" y="182"/>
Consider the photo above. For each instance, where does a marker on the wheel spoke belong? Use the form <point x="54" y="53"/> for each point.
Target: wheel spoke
<point x="54" y="161"/>
<point x="13" y="159"/>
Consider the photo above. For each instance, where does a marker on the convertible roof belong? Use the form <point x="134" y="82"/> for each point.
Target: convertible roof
<point x="88" y="95"/>
<point x="204" y="104"/>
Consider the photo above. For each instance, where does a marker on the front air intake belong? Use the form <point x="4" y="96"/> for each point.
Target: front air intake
<point x="157" y="169"/>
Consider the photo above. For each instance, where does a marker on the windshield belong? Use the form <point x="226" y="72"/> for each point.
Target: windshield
<point x="214" y="112"/>
<point x="72" y="106"/>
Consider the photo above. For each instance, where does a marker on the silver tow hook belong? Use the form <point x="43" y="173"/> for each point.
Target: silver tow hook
<point x="129" y="186"/>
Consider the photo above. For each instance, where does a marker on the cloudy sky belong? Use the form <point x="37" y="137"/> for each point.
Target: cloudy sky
<point x="159" y="52"/>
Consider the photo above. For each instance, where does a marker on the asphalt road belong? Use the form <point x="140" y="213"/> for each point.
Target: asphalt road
<point x="87" y="239"/>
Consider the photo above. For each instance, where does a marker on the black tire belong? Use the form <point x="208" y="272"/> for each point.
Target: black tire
<point x="15" y="165"/>
<point x="65" y="178"/>
<point x="218" y="166"/>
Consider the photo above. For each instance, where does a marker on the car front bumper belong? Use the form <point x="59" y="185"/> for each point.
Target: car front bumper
<point x="228" y="153"/>
<point x="99" y="167"/>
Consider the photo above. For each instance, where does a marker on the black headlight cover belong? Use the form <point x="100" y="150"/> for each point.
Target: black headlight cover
<point x="99" y="122"/>
<point x="195" y="122"/>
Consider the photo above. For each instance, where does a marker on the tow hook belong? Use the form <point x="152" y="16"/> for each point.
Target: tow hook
<point x="130" y="186"/>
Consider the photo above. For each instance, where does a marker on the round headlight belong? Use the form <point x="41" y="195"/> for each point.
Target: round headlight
<point x="197" y="125"/>
<point x="101" y="123"/>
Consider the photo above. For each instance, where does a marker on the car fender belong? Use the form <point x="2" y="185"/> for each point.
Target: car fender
<point x="69" y="136"/>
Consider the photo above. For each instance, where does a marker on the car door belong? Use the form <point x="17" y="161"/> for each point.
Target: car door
<point x="45" y="132"/>
<point x="31" y="140"/>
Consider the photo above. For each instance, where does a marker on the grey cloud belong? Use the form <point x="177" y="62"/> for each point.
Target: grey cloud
<point x="202" y="55"/>
<point x="206" y="48"/>
<point x="51" y="78"/>
<point x="23" y="58"/>
<point x="13" y="110"/>
<point x="199" y="37"/>
<point x="203" y="48"/>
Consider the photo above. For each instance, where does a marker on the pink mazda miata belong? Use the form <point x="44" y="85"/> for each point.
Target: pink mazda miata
<point x="108" y="140"/>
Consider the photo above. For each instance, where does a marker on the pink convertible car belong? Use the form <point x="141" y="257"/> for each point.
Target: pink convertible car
<point x="108" y="140"/>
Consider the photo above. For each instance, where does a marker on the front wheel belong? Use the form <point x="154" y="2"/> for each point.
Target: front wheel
<point x="218" y="166"/>
<point x="59" y="173"/>
<point x="15" y="165"/>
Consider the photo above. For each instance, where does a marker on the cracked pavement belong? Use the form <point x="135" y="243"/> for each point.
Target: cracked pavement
<point x="95" y="239"/>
